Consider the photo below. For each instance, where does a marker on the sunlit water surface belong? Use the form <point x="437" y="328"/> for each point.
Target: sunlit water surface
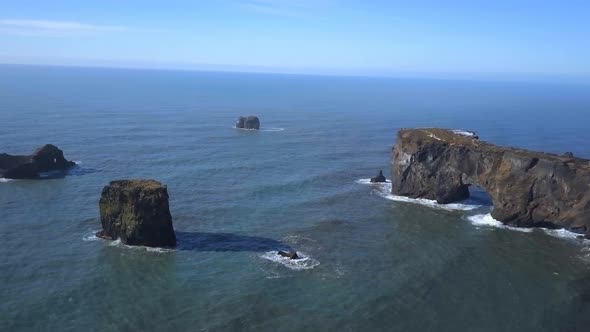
<point x="372" y="261"/>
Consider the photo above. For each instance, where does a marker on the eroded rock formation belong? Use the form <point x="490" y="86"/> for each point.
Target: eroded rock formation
<point x="137" y="212"/>
<point x="47" y="158"/>
<point x="528" y="189"/>
<point x="248" y="122"/>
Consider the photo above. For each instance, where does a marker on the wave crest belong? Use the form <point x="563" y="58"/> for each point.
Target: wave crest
<point x="488" y="220"/>
<point x="384" y="190"/>
<point x="304" y="262"/>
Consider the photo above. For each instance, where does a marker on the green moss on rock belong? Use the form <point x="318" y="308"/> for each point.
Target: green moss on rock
<point x="137" y="212"/>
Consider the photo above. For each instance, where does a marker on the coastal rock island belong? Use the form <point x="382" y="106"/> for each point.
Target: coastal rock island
<point x="137" y="212"/>
<point x="380" y="178"/>
<point x="47" y="158"/>
<point x="527" y="188"/>
<point x="248" y="122"/>
<point x="288" y="254"/>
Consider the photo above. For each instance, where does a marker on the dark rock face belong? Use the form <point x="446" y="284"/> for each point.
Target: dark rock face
<point x="288" y="254"/>
<point x="137" y="212"/>
<point x="47" y="158"/>
<point x="379" y="178"/>
<point x="248" y="122"/>
<point x="528" y="188"/>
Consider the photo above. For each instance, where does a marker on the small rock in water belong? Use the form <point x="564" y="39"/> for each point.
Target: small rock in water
<point x="379" y="178"/>
<point x="248" y="122"/>
<point x="288" y="254"/>
<point x="568" y="154"/>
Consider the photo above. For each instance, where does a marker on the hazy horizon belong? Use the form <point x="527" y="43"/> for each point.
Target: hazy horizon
<point x="196" y="68"/>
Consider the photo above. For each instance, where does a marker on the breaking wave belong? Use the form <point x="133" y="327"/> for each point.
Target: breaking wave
<point x="463" y="132"/>
<point x="304" y="262"/>
<point x="91" y="236"/>
<point x="3" y="180"/>
<point x="488" y="220"/>
<point x="384" y="190"/>
<point x="117" y="243"/>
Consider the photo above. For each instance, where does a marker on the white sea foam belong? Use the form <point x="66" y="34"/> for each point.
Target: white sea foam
<point x="464" y="133"/>
<point x="302" y="263"/>
<point x="487" y="220"/>
<point x="433" y="204"/>
<point x="159" y="250"/>
<point x="118" y="243"/>
<point x="91" y="236"/>
<point x="368" y="181"/>
<point x="3" y="180"/>
<point x="564" y="234"/>
<point x="261" y="129"/>
<point x="384" y="190"/>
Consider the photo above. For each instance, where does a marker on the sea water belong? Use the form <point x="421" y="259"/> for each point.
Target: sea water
<point x="371" y="260"/>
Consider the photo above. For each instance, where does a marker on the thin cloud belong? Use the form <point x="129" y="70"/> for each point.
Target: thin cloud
<point x="289" y="8"/>
<point x="25" y="27"/>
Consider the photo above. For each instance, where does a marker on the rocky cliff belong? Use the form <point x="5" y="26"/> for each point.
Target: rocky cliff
<point x="528" y="189"/>
<point x="137" y="212"/>
<point x="47" y="158"/>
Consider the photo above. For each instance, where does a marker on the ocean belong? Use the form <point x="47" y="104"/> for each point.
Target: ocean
<point x="371" y="261"/>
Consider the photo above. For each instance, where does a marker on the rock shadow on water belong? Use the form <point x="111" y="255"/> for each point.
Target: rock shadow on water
<point x="203" y="241"/>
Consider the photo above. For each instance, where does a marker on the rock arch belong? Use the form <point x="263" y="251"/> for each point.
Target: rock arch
<point x="528" y="189"/>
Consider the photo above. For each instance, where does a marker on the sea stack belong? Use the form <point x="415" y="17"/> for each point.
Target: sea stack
<point x="379" y="178"/>
<point x="137" y="212"/>
<point x="248" y="122"/>
<point x="47" y="158"/>
<point x="527" y="188"/>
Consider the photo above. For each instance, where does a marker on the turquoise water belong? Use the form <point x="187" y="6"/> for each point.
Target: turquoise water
<point x="372" y="262"/>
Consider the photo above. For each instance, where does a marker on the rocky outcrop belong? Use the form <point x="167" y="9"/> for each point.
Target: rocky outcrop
<point x="568" y="154"/>
<point x="288" y="254"/>
<point x="137" y="212"/>
<point x="528" y="189"/>
<point x="248" y="122"/>
<point x="379" y="178"/>
<point x="47" y="158"/>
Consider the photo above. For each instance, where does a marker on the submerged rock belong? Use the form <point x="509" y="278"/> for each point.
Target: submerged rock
<point x="288" y="254"/>
<point x="47" y="158"/>
<point x="137" y="212"/>
<point x="528" y="189"/>
<point x="379" y="178"/>
<point x="248" y="122"/>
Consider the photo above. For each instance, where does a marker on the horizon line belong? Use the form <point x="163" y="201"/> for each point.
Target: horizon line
<point x="321" y="72"/>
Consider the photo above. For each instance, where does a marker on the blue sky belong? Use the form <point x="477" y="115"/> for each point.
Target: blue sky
<point x="454" y="38"/>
